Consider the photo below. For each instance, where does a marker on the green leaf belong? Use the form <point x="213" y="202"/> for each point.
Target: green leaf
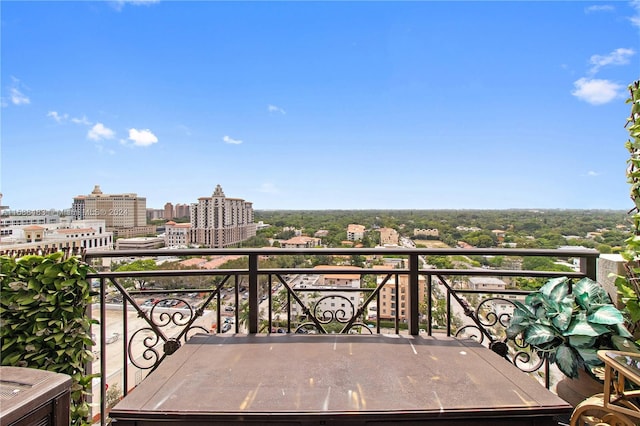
<point x="594" y="291"/>
<point x="567" y="361"/>
<point x="625" y="344"/>
<point x="607" y="314"/>
<point x="539" y="334"/>
<point x="555" y="288"/>
<point x="582" y="327"/>
<point x="582" y="341"/>
<point x="589" y="356"/>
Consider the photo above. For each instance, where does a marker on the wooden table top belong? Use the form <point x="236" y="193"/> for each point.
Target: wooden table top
<point x="239" y="375"/>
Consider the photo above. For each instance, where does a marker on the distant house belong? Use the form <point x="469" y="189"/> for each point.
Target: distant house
<point x="339" y="280"/>
<point x="301" y="242"/>
<point x="389" y="236"/>
<point x="321" y="233"/>
<point x="426" y="233"/>
<point x="486" y="283"/>
<point x="355" y="232"/>
<point x="500" y="234"/>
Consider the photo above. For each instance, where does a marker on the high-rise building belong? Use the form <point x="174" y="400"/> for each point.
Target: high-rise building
<point x="121" y="212"/>
<point x="168" y="211"/>
<point x="181" y="210"/>
<point x="218" y="221"/>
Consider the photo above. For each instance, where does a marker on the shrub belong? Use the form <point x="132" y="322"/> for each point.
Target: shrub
<point x="44" y="322"/>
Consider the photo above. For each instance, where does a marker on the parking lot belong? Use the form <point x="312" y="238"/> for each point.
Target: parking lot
<point x="115" y="340"/>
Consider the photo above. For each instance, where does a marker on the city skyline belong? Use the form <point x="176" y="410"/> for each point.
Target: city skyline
<point x="319" y="105"/>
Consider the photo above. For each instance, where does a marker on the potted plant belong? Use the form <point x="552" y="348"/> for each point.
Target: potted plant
<point x="568" y="323"/>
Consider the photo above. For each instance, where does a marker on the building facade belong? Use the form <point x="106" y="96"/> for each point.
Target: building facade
<point x="176" y="234"/>
<point x="218" y="221"/>
<point x="332" y="302"/>
<point x="394" y="302"/>
<point x="117" y="210"/>
<point x="124" y="214"/>
<point x="389" y="236"/>
<point x="428" y="232"/>
<point x="355" y="232"/>
<point x="181" y="210"/>
<point x="90" y="235"/>
<point x="301" y="242"/>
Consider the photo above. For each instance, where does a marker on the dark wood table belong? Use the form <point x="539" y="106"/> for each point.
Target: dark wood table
<point x="337" y="379"/>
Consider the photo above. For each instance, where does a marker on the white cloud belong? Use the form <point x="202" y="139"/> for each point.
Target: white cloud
<point x="17" y="97"/>
<point x="142" y="137"/>
<point x="593" y="173"/>
<point x="119" y="4"/>
<point x="635" y="20"/>
<point x="273" y="108"/>
<point x="99" y="132"/>
<point x="60" y="118"/>
<point x="599" y="8"/>
<point x="57" y="117"/>
<point x="619" y="56"/>
<point x="82" y="120"/>
<point x="230" y="140"/>
<point x="596" y="91"/>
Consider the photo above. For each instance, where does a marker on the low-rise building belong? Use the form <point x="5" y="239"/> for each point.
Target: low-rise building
<point x="332" y="302"/>
<point x="355" y="232"/>
<point x="139" y="243"/>
<point x="389" y="236"/>
<point x="486" y="283"/>
<point x="176" y="234"/>
<point x="394" y="303"/>
<point x="301" y="242"/>
<point x="90" y="235"/>
<point x="426" y="232"/>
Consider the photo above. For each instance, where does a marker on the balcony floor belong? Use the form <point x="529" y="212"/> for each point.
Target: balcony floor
<point x="338" y="379"/>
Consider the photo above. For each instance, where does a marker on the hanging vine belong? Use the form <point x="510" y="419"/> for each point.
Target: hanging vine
<point x="629" y="286"/>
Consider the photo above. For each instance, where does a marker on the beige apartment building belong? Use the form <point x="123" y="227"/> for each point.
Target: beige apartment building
<point x="176" y="234"/>
<point x="219" y="221"/>
<point x="341" y="303"/>
<point x="392" y="301"/>
<point x="124" y="214"/>
<point x="90" y="235"/>
<point x="355" y="232"/>
<point x="426" y="232"/>
<point x="389" y="236"/>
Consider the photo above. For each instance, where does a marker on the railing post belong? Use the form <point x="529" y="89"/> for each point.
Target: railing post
<point x="429" y="305"/>
<point x="253" y="293"/>
<point x="414" y="295"/>
<point x="588" y="266"/>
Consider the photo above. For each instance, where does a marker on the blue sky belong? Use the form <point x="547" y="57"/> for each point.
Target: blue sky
<point x="319" y="105"/>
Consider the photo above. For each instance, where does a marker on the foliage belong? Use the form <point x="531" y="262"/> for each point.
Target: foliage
<point x="44" y="324"/>
<point x="137" y="265"/>
<point x="526" y="228"/>
<point x="569" y="323"/>
<point x="629" y="287"/>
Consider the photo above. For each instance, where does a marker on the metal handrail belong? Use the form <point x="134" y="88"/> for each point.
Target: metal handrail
<point x="275" y="276"/>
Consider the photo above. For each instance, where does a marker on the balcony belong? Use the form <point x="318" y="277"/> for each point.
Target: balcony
<point x="267" y="344"/>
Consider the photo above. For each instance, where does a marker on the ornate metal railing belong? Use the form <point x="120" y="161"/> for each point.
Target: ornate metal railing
<point x="254" y="299"/>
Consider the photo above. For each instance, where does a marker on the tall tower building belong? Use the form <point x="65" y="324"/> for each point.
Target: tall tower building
<point x="124" y="214"/>
<point x="218" y="221"/>
<point x="168" y="211"/>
